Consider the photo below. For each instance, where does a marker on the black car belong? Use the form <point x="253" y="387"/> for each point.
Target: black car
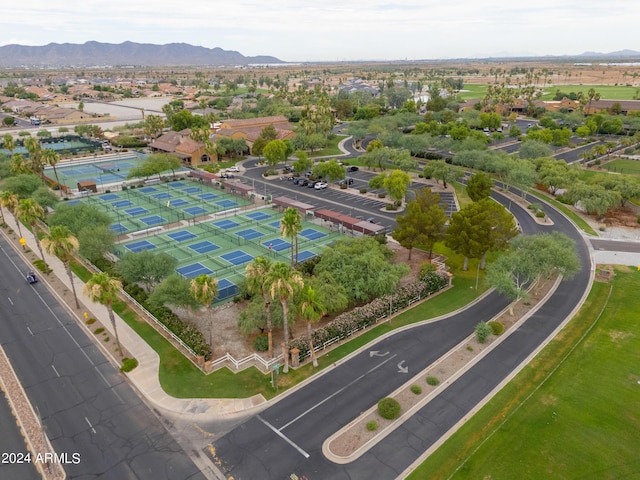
<point x="296" y="181"/>
<point x="304" y="183"/>
<point x="352" y="169"/>
<point x="311" y="184"/>
<point x="347" y="181"/>
<point x="31" y="277"/>
<point x="371" y="220"/>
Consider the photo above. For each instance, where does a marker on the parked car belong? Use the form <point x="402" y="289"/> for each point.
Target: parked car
<point x="312" y="184"/>
<point x="288" y="168"/>
<point x="227" y="175"/>
<point x="304" y="183"/>
<point x="352" y="168"/>
<point x="371" y="220"/>
<point x="233" y="168"/>
<point x="346" y="181"/>
<point x="31" y="277"/>
<point x="320" y="186"/>
<point x="296" y="181"/>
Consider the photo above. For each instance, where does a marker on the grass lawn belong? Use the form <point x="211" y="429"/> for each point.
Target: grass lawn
<point x="623" y="165"/>
<point x="577" y="219"/>
<point x="331" y="148"/>
<point x="607" y="92"/>
<point x="571" y="413"/>
<point x="473" y="91"/>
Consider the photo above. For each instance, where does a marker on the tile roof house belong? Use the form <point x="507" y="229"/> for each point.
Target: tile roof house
<point x="250" y="128"/>
<point x="181" y="145"/>
<point x="626" y="106"/>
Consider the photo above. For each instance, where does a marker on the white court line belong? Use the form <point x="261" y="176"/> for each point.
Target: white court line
<point x="282" y="436"/>
<point x="338" y="391"/>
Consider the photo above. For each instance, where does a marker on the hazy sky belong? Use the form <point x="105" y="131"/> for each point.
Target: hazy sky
<point x="336" y="30"/>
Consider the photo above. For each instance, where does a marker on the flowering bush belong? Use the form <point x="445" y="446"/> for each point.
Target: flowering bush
<point x="349" y="322"/>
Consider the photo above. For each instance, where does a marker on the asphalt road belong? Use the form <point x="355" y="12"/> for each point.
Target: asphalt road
<point x="86" y="405"/>
<point x="287" y="437"/>
<point x="11" y="441"/>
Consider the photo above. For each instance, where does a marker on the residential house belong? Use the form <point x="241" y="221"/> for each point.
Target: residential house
<point x="250" y="128"/>
<point x="181" y="145"/>
<point x="607" y="106"/>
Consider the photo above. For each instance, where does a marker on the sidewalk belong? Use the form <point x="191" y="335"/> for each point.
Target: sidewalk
<point x="145" y="376"/>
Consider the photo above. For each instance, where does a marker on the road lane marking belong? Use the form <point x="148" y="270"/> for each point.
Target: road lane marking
<point x="10" y="301"/>
<point x="338" y="391"/>
<point x="282" y="436"/>
<point x="30" y="331"/>
<point x="92" y="429"/>
<point x="54" y="369"/>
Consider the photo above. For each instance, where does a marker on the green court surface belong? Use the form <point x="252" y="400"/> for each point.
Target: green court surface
<point x="138" y="209"/>
<point x="222" y="247"/>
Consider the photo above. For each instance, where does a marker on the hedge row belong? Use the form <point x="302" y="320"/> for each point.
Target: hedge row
<point x="186" y="332"/>
<point x="344" y="324"/>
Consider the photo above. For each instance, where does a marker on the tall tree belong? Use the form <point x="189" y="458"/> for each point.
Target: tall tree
<point x="290" y="227"/>
<point x="153" y="125"/>
<point x="30" y="212"/>
<point x="257" y="276"/>
<point x="103" y="289"/>
<point x="32" y="144"/>
<point x="275" y="152"/>
<point x="283" y="283"/>
<point x="63" y="244"/>
<point x="311" y="308"/>
<point x="204" y="289"/>
<point x="10" y="201"/>
<point x="479" y="186"/>
<point x="442" y="171"/>
<point x="51" y="157"/>
<point x="145" y="267"/>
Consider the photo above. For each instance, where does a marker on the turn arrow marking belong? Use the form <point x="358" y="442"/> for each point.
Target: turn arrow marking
<point x="376" y="353"/>
<point x="402" y="369"/>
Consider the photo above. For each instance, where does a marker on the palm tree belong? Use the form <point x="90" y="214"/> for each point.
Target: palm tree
<point x="51" y="157"/>
<point x="18" y="164"/>
<point x="311" y="308"/>
<point x="10" y="201"/>
<point x="63" y="244"/>
<point x="31" y="212"/>
<point x="257" y="275"/>
<point x="283" y="282"/>
<point x="204" y="289"/>
<point x="103" y="289"/>
<point x="8" y="143"/>
<point x="290" y="226"/>
<point x="32" y="144"/>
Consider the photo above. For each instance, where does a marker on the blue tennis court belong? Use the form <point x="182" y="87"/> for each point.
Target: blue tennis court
<point x="140" y="246"/>
<point x="178" y="202"/>
<point x="312" y="234"/>
<point x="208" y="196"/>
<point x="226" y="289"/>
<point x="277" y="244"/>
<point x="118" y="228"/>
<point x="204" y="247"/>
<point x="226" y="203"/>
<point x="237" y="257"/>
<point x="136" y="211"/>
<point x="192" y="190"/>
<point x="176" y="184"/>
<point x="250" y="234"/>
<point x="122" y="203"/>
<point x="109" y="196"/>
<point x="304" y="255"/>
<point x="162" y="196"/>
<point x="225" y="224"/>
<point x="153" y="220"/>
<point x="148" y="189"/>
<point x="73" y="202"/>
<point x="275" y="224"/>
<point x="193" y="270"/>
<point x="182" y="235"/>
<point x="194" y="210"/>
<point x="258" y="215"/>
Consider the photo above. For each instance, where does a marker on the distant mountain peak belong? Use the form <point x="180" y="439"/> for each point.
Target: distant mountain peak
<point x="125" y="53"/>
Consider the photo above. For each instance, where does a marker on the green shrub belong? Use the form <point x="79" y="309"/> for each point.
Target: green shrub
<point x="417" y="389"/>
<point x="638" y="218"/>
<point x="128" y="364"/>
<point x="496" y="327"/>
<point x="483" y="331"/>
<point x="91" y="321"/>
<point x="540" y="214"/>
<point x="426" y="269"/>
<point x="388" y="408"/>
<point x="469" y="348"/>
<point x="98" y="330"/>
<point x="261" y="343"/>
<point x="391" y="206"/>
<point x="343" y="186"/>
<point x="363" y="190"/>
<point x="433" y="381"/>
<point x="382" y="195"/>
<point x="372" y="426"/>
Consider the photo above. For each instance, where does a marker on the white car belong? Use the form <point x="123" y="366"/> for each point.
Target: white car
<point x="234" y="169"/>
<point x="320" y="185"/>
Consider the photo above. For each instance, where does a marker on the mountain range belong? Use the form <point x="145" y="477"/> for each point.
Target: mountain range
<point x="126" y="53"/>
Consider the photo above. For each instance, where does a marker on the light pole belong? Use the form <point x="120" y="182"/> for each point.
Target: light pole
<point x="477" y="274"/>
